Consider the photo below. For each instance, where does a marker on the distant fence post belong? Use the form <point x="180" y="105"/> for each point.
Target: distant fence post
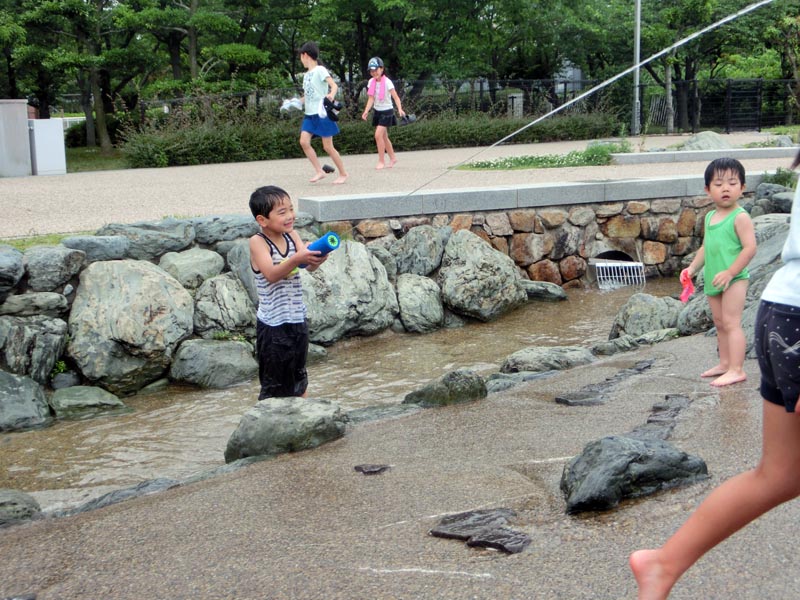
<point x="728" y="105"/>
<point x="759" y="102"/>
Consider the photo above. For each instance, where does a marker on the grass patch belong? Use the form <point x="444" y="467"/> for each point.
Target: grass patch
<point x="92" y="159"/>
<point x="52" y="239"/>
<point x="792" y="130"/>
<point x="594" y="155"/>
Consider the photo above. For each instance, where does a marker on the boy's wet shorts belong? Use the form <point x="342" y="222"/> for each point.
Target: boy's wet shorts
<point x="777" y="344"/>
<point x="282" y="353"/>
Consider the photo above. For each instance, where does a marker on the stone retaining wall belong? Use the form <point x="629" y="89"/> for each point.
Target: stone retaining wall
<point x="555" y="243"/>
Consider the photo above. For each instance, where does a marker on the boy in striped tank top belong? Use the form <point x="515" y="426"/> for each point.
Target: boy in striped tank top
<point x="276" y="253"/>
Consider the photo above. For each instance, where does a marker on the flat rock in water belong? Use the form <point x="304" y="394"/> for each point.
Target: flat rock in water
<point x="371" y="469"/>
<point x="463" y="526"/>
<point x="500" y="538"/>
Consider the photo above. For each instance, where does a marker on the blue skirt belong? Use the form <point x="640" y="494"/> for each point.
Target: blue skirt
<point x="316" y="125"/>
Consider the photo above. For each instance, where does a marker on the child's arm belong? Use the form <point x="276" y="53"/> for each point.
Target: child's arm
<point x="332" y="87"/>
<point x="697" y="264"/>
<point x="261" y="259"/>
<point x="743" y="225"/>
<point x="313" y="258"/>
<point x="399" y="104"/>
<point x="370" y="102"/>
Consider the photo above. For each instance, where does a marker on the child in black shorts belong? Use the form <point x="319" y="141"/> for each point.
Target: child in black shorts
<point x="380" y="93"/>
<point x="276" y="253"/>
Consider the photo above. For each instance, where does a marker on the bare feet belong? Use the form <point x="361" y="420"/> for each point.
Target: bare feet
<point x="317" y="177"/>
<point x="729" y="378"/>
<point x="392" y="163"/>
<point x="651" y="576"/>
<point x="715" y="371"/>
<point x="379" y="166"/>
<point x="340" y="180"/>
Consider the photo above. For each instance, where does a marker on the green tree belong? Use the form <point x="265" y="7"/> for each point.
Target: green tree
<point x="12" y="35"/>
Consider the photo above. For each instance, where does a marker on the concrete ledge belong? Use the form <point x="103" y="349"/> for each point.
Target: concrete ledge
<point x="640" y="158"/>
<point x="391" y="205"/>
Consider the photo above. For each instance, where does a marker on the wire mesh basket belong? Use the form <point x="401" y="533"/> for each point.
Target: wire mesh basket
<point x="613" y="274"/>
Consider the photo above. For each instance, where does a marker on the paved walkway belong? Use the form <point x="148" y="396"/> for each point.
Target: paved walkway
<point x="86" y="201"/>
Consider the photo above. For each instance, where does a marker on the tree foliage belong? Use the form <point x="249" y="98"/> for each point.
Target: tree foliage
<point x="113" y="53"/>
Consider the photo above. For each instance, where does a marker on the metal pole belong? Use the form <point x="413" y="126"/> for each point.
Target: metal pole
<point x="635" y="125"/>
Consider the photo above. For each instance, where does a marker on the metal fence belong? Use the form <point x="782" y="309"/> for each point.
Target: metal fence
<point x="725" y="104"/>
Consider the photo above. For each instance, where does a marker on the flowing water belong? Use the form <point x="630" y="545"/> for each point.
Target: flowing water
<point x="183" y="431"/>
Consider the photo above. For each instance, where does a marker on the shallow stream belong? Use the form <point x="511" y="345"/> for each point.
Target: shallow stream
<point x="183" y="431"/>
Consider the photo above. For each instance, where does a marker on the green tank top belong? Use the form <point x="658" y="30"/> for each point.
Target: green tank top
<point x="722" y="246"/>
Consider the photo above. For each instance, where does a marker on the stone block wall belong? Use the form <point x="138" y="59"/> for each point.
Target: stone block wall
<point x="554" y="244"/>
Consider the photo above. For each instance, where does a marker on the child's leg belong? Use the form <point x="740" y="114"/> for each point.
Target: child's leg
<point x="311" y="154"/>
<point x="389" y="149"/>
<point x="380" y="142"/>
<point x="732" y="307"/>
<point x="731" y="506"/>
<point x="327" y="144"/>
<point x="715" y="302"/>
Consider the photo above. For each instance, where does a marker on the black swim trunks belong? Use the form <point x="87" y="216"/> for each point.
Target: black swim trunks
<point x="777" y="344"/>
<point x="282" y="352"/>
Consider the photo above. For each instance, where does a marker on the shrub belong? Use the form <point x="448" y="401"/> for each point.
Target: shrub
<point x="219" y="132"/>
<point x="785" y="177"/>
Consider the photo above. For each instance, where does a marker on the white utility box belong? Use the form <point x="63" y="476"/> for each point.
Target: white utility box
<point x="15" y="152"/>
<point x="48" y="154"/>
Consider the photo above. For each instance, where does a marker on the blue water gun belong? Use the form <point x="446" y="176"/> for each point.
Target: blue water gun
<point x="327" y="243"/>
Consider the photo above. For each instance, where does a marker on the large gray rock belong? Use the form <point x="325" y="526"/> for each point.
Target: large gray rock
<point x="210" y="230"/>
<point x="419" y="297"/>
<point x="50" y="267"/>
<point x="615" y="468"/>
<point x="16" y="506"/>
<point x="127" y="319"/>
<point x="643" y="313"/>
<point x="783" y="202"/>
<point x="420" y="251"/>
<point x="695" y="316"/>
<point x="238" y="258"/>
<point x="223" y="307"/>
<point x="543" y="290"/>
<point x="99" y="247"/>
<point x="83" y="401"/>
<point x="214" y="363"/>
<point x="11" y="270"/>
<point x="193" y="266"/>
<point x="348" y="295"/>
<point x="455" y="387"/>
<point x="22" y="403"/>
<point x="546" y="358"/>
<point x="279" y="425"/>
<point x="31" y="345"/>
<point x="387" y="260"/>
<point x="477" y="280"/>
<point x="149" y="240"/>
<point x="707" y="140"/>
<point x="48" y="304"/>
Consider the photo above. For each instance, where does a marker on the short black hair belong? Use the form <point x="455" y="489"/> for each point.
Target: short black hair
<point x="721" y="165"/>
<point x="311" y="49"/>
<point x="265" y="198"/>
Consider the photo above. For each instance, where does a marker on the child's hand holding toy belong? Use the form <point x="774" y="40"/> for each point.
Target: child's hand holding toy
<point x="688" y="286"/>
